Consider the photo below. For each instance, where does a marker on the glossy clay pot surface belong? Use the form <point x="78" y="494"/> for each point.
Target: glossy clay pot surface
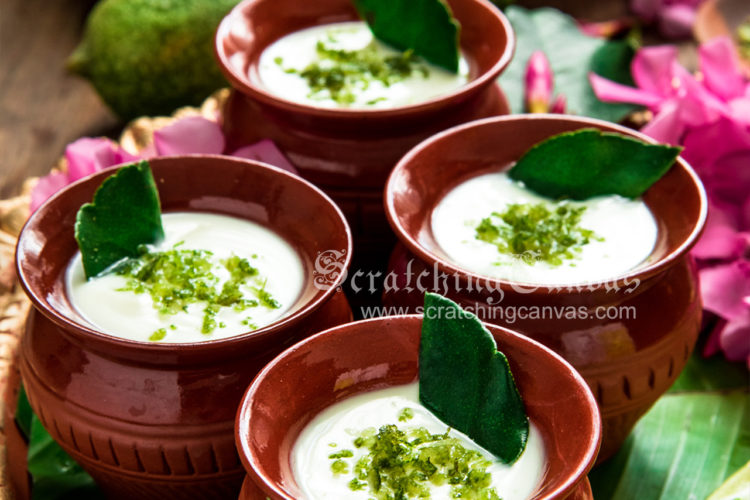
<point x="349" y="152"/>
<point x="151" y="420"/>
<point x="629" y="360"/>
<point x="374" y="354"/>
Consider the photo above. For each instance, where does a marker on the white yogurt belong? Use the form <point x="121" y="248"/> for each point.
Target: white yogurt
<point x="342" y="422"/>
<point x="132" y="316"/>
<point x="297" y="50"/>
<point x="627" y="228"/>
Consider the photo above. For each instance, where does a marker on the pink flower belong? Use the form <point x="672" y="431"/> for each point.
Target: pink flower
<point x="190" y="135"/>
<point x="709" y="114"/>
<point x="674" y="18"/>
<point x="726" y="292"/>
<point x="538" y="86"/>
<point x="84" y="157"/>
<point x="677" y="99"/>
<point x="197" y="135"/>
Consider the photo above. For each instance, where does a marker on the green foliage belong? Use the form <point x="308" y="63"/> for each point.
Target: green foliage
<point x="588" y="163"/>
<point x="124" y="215"/>
<point x="467" y="383"/>
<point x="572" y="56"/>
<point x="425" y="26"/>
<point x="689" y="443"/>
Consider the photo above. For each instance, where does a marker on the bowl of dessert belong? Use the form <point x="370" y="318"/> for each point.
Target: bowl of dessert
<point x="155" y="304"/>
<point x="432" y="406"/>
<point x="570" y="230"/>
<point x="341" y="102"/>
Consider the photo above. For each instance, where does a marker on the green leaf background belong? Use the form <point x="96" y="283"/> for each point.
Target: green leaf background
<point x="572" y="56"/>
<point x="689" y="443"/>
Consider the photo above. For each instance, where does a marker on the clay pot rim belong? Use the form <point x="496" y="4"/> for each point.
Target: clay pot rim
<point x="84" y="332"/>
<point x="249" y="460"/>
<point x="444" y="265"/>
<point x="248" y="87"/>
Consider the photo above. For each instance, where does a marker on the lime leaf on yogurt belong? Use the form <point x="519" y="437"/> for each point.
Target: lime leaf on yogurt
<point x="588" y="162"/>
<point x="123" y="215"/>
<point x="467" y="383"/>
<point x="425" y="26"/>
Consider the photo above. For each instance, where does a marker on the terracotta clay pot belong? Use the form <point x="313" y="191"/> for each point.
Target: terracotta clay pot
<point x="349" y="152"/>
<point x="628" y="361"/>
<point x="16" y="445"/>
<point x="374" y="354"/>
<point x="155" y="420"/>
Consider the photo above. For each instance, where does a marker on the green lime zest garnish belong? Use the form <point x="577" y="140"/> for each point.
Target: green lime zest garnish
<point x="340" y="73"/>
<point x="405" y="414"/>
<point x="158" y="334"/>
<point x="537" y="232"/>
<point x="404" y="463"/>
<point x="177" y="278"/>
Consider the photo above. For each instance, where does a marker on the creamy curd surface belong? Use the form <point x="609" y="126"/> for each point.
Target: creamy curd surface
<point x="133" y="316"/>
<point x="342" y="422"/>
<point x="627" y="228"/>
<point x="297" y="50"/>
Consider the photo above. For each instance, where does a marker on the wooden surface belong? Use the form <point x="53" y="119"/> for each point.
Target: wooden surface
<point x="42" y="108"/>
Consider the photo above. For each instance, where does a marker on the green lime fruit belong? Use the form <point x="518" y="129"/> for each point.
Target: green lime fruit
<point x="149" y="57"/>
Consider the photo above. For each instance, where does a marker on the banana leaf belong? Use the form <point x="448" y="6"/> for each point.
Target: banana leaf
<point x="692" y="440"/>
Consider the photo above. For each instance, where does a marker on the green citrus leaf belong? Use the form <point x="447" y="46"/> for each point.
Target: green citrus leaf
<point x="425" y="26"/>
<point x="124" y="214"/>
<point x="588" y="162"/>
<point x="467" y="383"/>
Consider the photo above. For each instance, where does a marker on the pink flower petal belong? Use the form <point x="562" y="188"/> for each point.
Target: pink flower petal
<point x="646" y="9"/>
<point x="698" y="106"/>
<point x="122" y="156"/>
<point x="724" y="287"/>
<point x="706" y="144"/>
<point x="676" y="21"/>
<point x="744" y="219"/>
<point x="88" y="155"/>
<point x="267" y="152"/>
<point x="190" y="135"/>
<point x="740" y="110"/>
<point x="652" y="69"/>
<point x="559" y="104"/>
<point x="609" y="91"/>
<point x="735" y="339"/>
<point x="730" y="179"/>
<point x="719" y="242"/>
<point x="46" y="187"/>
<point x="667" y="125"/>
<point x="720" y="68"/>
<point x="538" y="83"/>
<point x="722" y="239"/>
